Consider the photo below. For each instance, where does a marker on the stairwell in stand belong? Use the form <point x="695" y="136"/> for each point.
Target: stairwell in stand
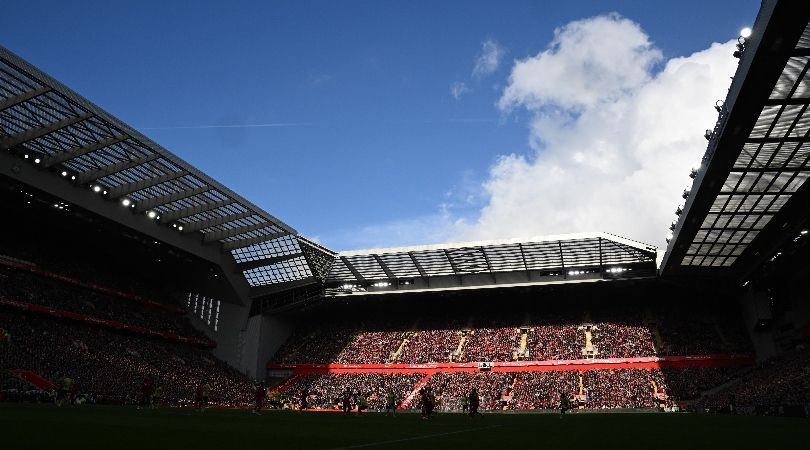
<point x="33" y="378"/>
<point x="455" y="355"/>
<point x="281" y="387"/>
<point x="406" y="402"/>
<point x="522" y="353"/>
<point x="402" y="345"/>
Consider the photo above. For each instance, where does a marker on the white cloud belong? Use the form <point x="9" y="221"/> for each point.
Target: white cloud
<point x="489" y="59"/>
<point x="612" y="133"/>
<point x="458" y="88"/>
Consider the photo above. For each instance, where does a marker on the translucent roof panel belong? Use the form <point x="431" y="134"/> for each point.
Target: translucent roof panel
<point x="68" y="133"/>
<point x="555" y="253"/>
<point x="771" y="167"/>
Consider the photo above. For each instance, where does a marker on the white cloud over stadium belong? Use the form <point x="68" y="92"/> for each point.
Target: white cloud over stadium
<point x="613" y="133"/>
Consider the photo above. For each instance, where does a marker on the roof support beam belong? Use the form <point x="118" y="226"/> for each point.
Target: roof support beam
<point x="230" y="245"/>
<point x="452" y="265"/>
<point x="489" y="265"/>
<point x="231" y="232"/>
<point x="525" y="264"/>
<point x="94" y="175"/>
<point x="354" y="271"/>
<point x="126" y="189"/>
<point x="266" y="261"/>
<point x="150" y="203"/>
<point x="775" y="140"/>
<point x="79" y="151"/>
<point x="181" y="213"/>
<point x="384" y="267"/>
<point x="770" y="169"/>
<point x="787" y="101"/>
<point x="34" y="133"/>
<point x="203" y="224"/>
<point x="418" y="266"/>
<point x="25" y="96"/>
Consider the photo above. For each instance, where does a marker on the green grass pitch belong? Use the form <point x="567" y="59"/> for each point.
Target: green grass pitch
<point x="98" y="427"/>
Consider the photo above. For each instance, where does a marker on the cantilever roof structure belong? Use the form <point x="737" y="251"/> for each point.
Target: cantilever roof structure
<point x="492" y="262"/>
<point x="751" y="191"/>
<point x="63" y="134"/>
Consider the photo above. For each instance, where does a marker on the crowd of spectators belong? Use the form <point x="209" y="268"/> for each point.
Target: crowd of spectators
<point x="619" y="340"/>
<point x="781" y="381"/>
<point x="491" y="343"/>
<point x="371" y="345"/>
<point x="450" y="389"/>
<point x="411" y="339"/>
<point x="687" y="383"/>
<point x="111" y="366"/>
<point x="29" y="288"/>
<point x="66" y="264"/>
<point x="326" y="391"/>
<point x="622" y="388"/>
<point x="541" y="390"/>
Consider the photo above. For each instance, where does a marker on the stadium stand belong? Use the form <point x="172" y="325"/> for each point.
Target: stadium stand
<point x="588" y="316"/>
<point x="111" y="366"/>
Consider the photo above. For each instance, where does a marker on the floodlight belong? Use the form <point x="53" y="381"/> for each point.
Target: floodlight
<point x="64" y="174"/>
<point x="745" y="32"/>
<point x="126" y="202"/>
<point x="96" y="189"/>
<point x="151" y="214"/>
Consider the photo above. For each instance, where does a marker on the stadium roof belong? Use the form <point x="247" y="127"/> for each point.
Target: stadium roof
<point x="534" y="260"/>
<point x="749" y="194"/>
<point x="65" y="135"/>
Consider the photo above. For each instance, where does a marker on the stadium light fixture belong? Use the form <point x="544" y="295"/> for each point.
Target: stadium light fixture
<point x="96" y="189"/>
<point x="126" y="202"/>
<point x="73" y="177"/>
<point x="670" y="235"/>
<point x="745" y="32"/>
<point x="151" y="214"/>
<point x="64" y="174"/>
<point x="26" y="156"/>
<point x="37" y="160"/>
<point x="180" y="228"/>
<point x="803" y="232"/>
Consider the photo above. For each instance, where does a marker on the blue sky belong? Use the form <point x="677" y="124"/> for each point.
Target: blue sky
<point x="339" y="117"/>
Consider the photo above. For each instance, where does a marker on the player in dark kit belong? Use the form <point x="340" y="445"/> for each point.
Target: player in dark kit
<point x="564" y="404"/>
<point x="304" y="398"/>
<point x="347" y="401"/>
<point x="474" y="402"/>
<point x="146" y="393"/>
<point x="259" y="395"/>
<point x="427" y="402"/>
<point x="391" y="403"/>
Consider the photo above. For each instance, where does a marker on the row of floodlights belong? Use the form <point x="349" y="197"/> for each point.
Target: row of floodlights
<point x="745" y="33"/>
<point x="100" y="190"/>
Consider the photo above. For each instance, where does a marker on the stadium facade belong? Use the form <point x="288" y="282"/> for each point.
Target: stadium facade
<point x="249" y="279"/>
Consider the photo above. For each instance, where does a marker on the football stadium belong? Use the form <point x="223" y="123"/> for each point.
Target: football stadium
<point x="144" y="304"/>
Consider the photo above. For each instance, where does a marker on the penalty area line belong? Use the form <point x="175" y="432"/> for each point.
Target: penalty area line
<point x="415" y="438"/>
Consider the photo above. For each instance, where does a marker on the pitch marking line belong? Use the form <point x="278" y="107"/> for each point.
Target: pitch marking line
<point x="417" y="438"/>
